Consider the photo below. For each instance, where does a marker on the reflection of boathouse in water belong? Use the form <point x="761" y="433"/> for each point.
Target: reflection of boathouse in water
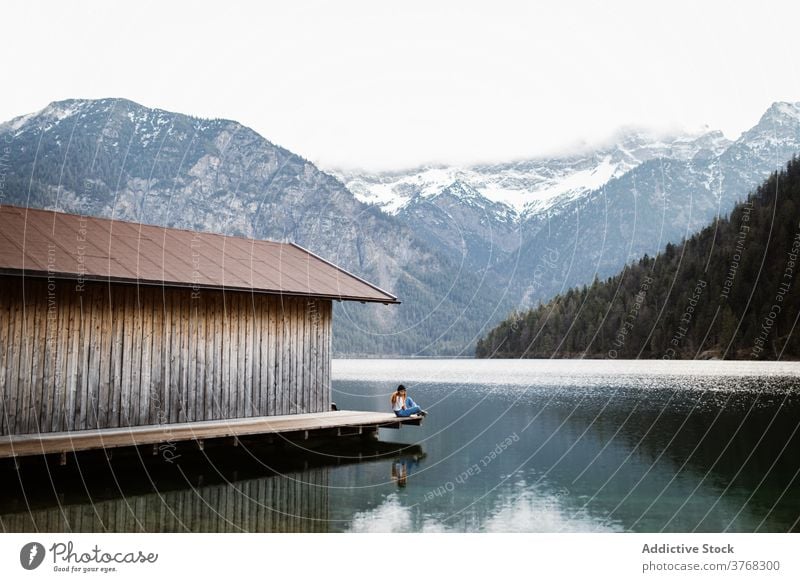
<point x="252" y="488"/>
<point x="118" y="334"/>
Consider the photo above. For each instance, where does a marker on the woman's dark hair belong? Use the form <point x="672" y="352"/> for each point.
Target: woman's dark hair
<point x="401" y="388"/>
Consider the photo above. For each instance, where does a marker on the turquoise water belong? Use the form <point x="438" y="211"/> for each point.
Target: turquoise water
<point x="527" y="446"/>
<point x="582" y="446"/>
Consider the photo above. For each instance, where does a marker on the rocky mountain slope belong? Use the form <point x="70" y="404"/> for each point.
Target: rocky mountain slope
<point x="115" y="158"/>
<point x="551" y="223"/>
<point x="461" y="246"/>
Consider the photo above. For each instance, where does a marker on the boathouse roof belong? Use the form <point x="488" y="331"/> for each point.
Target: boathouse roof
<point x="46" y="243"/>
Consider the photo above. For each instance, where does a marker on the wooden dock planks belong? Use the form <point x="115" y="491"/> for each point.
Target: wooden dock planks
<point x="71" y="441"/>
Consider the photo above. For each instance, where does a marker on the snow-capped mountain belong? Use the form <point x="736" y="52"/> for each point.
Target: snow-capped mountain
<point x="461" y="246"/>
<point x="596" y="209"/>
<point x="776" y="128"/>
<point x="532" y="186"/>
<point x="661" y="200"/>
<point x="117" y="159"/>
<point x="463" y="223"/>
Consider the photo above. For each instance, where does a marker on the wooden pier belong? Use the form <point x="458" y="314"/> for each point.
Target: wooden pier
<point x="290" y="426"/>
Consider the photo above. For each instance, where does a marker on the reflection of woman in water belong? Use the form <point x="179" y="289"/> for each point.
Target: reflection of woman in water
<point x="402" y="466"/>
<point x="403" y="405"/>
<point x="400" y="473"/>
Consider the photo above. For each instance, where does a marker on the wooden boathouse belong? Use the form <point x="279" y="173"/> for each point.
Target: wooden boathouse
<point x="115" y="333"/>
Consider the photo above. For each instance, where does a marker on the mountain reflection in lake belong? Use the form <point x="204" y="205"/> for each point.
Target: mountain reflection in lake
<point x="508" y="446"/>
<point x="594" y="446"/>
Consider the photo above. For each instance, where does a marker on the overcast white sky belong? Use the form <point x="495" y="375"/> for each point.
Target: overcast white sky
<point x="393" y="84"/>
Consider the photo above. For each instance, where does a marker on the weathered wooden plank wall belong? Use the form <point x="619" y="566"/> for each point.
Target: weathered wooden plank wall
<point x="121" y="355"/>
<point x="284" y="503"/>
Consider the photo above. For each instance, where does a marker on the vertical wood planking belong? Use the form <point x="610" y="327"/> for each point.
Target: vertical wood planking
<point x="168" y="356"/>
<point x="18" y="361"/>
<point x="302" y="313"/>
<point x="225" y="371"/>
<point x="321" y="356"/>
<point x="269" y="346"/>
<point x="137" y="346"/>
<point x="320" y="381"/>
<point x="298" y="333"/>
<point x="263" y="356"/>
<point x="25" y="361"/>
<point x="156" y="388"/>
<point x="326" y="354"/>
<point x="241" y="362"/>
<point x="253" y="340"/>
<point x="50" y="354"/>
<point x="264" y="359"/>
<point x="199" y="387"/>
<point x="240" y="355"/>
<point x="251" y="376"/>
<point x="147" y="305"/>
<point x="284" y="351"/>
<point x="166" y="364"/>
<point x="13" y="355"/>
<point x="308" y="307"/>
<point x="299" y="354"/>
<point x="184" y="362"/>
<point x="286" y="341"/>
<point x="127" y="353"/>
<point x="17" y="358"/>
<point x="216" y="385"/>
<point x="230" y="363"/>
<point x="71" y="370"/>
<point x="196" y="393"/>
<point x="34" y="304"/>
<point x="211" y="358"/>
<point x="315" y="387"/>
<point x="237" y="357"/>
<point x="312" y="359"/>
<point x="92" y="316"/>
<point x="277" y="360"/>
<point x="5" y="340"/>
<point x="314" y="381"/>
<point x="104" y="404"/>
<point x="233" y="334"/>
<point x="272" y="371"/>
<point x="85" y="334"/>
<point x="176" y="326"/>
<point x="116" y="355"/>
<point x="241" y="347"/>
<point x="293" y="383"/>
<point x="173" y="388"/>
<point x="117" y="311"/>
<point x="255" y="406"/>
<point x="30" y="346"/>
<point x="47" y="347"/>
<point x="329" y="354"/>
<point x="191" y="403"/>
<point x="230" y="355"/>
<point x="236" y="396"/>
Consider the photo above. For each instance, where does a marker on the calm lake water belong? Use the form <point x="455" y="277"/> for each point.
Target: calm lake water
<point x="527" y="446"/>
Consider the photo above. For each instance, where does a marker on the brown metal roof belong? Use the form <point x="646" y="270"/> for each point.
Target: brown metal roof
<point x="48" y="243"/>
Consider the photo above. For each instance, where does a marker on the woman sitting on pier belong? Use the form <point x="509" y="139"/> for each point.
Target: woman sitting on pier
<point x="403" y="405"/>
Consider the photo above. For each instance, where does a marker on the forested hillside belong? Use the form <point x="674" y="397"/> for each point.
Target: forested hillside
<point x="730" y="291"/>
